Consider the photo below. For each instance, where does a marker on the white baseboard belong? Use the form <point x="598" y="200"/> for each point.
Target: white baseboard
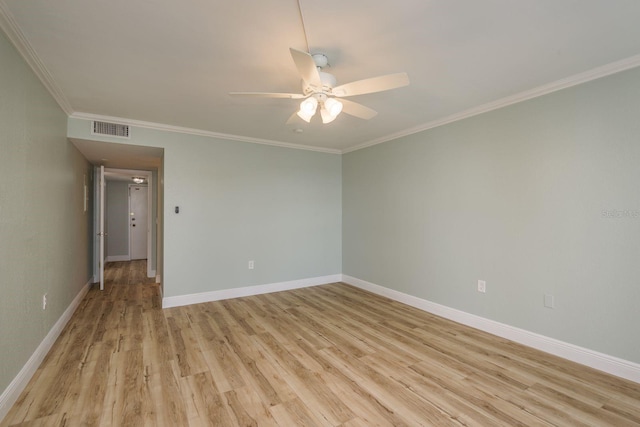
<point x="151" y="273"/>
<point x="12" y="392"/>
<point x="114" y="258"/>
<point x="603" y="362"/>
<point x="158" y="279"/>
<point x="247" y="291"/>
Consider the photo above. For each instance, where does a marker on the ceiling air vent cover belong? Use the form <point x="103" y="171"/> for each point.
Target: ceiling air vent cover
<point x="111" y="129"/>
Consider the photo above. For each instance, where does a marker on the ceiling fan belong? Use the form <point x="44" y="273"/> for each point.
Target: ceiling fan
<point x="319" y="90"/>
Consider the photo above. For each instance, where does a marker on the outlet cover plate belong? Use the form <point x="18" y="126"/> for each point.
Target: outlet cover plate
<point x="482" y="286"/>
<point x="549" y="301"/>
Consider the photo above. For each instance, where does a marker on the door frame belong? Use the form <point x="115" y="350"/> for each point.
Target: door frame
<point x="151" y="222"/>
<point x="148" y="230"/>
<point x="99" y="255"/>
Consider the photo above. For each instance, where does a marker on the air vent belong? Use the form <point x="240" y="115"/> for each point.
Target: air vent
<point x="111" y="129"/>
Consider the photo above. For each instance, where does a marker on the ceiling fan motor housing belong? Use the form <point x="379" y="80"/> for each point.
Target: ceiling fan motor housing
<point x="328" y="82"/>
<point x="320" y="59"/>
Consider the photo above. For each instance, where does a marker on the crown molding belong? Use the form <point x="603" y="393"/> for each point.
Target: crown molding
<point x="19" y="41"/>
<point x="199" y="132"/>
<point x="593" y="74"/>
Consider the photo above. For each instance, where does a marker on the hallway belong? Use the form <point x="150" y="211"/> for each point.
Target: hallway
<point x="126" y="273"/>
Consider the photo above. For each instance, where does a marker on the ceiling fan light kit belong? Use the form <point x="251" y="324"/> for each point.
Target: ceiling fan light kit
<point x="329" y="110"/>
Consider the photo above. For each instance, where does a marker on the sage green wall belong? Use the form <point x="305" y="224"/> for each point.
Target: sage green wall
<point x="280" y="207"/>
<point x="539" y="197"/>
<point x="44" y="231"/>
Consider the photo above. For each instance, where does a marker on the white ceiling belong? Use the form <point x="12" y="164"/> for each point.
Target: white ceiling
<point x="125" y="175"/>
<point x="173" y="63"/>
<point x="121" y="156"/>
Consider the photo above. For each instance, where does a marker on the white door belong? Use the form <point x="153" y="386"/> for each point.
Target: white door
<point x="138" y="222"/>
<point x="101" y="234"/>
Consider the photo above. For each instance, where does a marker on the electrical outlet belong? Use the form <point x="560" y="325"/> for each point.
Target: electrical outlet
<point x="251" y="265"/>
<point x="44" y="301"/>
<point x="482" y="286"/>
<point x="549" y="301"/>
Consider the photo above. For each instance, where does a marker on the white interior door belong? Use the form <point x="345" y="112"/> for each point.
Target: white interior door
<point x="101" y="234"/>
<point x="138" y="221"/>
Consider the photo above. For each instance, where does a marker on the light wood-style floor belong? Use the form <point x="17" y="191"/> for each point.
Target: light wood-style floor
<point x="329" y="355"/>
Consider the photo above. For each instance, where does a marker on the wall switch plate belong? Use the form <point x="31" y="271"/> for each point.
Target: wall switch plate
<point x="44" y="301"/>
<point x="549" y="301"/>
<point x="482" y="286"/>
<point x="251" y="265"/>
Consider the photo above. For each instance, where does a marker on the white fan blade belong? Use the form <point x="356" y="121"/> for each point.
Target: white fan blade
<point x="374" y="84"/>
<point x="357" y="110"/>
<point x="269" y="95"/>
<point x="306" y="67"/>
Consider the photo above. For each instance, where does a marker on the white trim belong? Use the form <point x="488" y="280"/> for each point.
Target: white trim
<point x="158" y="279"/>
<point x="150" y="223"/>
<point x="603" y="362"/>
<point x="96" y="225"/>
<point x="596" y="73"/>
<point x="199" y="132"/>
<point x="22" y="45"/>
<point x="102" y="254"/>
<point x="247" y="291"/>
<point x="114" y="258"/>
<point x="12" y="392"/>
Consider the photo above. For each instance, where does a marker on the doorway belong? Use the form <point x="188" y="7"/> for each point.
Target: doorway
<point x="123" y="158"/>
<point x="131" y="217"/>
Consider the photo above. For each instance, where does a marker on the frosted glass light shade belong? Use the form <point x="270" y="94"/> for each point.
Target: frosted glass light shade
<point x="309" y="106"/>
<point x="326" y="116"/>
<point x="333" y="106"/>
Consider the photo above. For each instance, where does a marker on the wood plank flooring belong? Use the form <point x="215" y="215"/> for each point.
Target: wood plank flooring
<point x="329" y="355"/>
